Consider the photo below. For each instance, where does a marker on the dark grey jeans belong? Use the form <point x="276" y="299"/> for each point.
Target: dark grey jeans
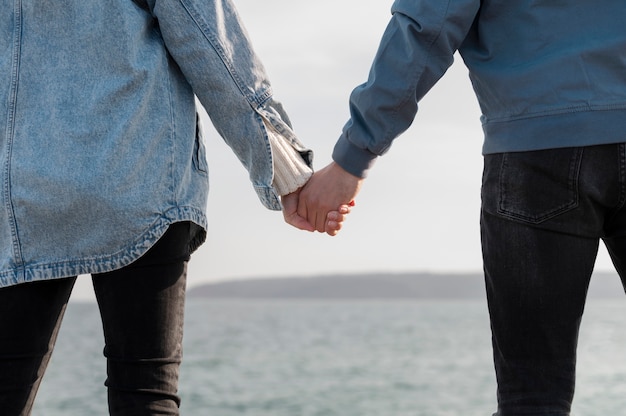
<point x="543" y="215"/>
<point x="142" y="308"/>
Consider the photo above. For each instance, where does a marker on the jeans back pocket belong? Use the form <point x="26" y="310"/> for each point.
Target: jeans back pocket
<point x="538" y="185"/>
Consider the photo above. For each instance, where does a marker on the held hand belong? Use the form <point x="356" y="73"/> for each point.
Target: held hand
<point x="328" y="188"/>
<point x="334" y="219"/>
<point x="290" y="212"/>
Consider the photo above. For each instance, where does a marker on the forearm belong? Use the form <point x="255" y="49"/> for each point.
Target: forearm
<point x="416" y="49"/>
<point x="207" y="40"/>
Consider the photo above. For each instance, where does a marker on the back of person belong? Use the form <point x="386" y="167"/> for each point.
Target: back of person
<point x="103" y="172"/>
<point x="538" y="64"/>
<point x="545" y="74"/>
<point x="97" y="127"/>
<point x="550" y="77"/>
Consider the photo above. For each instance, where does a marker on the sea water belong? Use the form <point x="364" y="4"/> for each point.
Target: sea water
<point x="326" y="358"/>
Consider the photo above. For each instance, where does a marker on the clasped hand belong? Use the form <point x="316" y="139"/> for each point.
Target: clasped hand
<point x="324" y="202"/>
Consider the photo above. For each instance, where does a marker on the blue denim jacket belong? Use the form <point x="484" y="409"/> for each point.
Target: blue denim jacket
<point x="546" y="74"/>
<point x="100" y="144"/>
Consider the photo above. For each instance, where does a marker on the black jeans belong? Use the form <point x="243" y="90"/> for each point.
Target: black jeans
<point x="543" y="215"/>
<point x="141" y="307"/>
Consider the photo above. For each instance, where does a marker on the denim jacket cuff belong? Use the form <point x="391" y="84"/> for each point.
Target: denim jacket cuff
<point x="268" y="197"/>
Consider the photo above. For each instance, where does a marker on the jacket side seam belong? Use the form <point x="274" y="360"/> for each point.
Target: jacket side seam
<point x="10" y="130"/>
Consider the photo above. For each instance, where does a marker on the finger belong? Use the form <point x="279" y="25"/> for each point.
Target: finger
<point x="290" y="214"/>
<point x="334" y="222"/>
<point x="299" y="222"/>
<point x="333" y="228"/>
<point x="333" y="225"/>
<point x="303" y="212"/>
<point x="344" y="209"/>
<point x="320" y="223"/>
<point x="335" y="216"/>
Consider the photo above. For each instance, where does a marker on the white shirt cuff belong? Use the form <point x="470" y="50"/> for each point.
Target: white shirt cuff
<point x="290" y="171"/>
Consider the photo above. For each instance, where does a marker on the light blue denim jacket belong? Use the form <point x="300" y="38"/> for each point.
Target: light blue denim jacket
<point x="100" y="145"/>
<point x="546" y="73"/>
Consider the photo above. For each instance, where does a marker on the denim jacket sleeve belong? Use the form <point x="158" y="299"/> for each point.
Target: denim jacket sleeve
<point x="415" y="51"/>
<point x="208" y="41"/>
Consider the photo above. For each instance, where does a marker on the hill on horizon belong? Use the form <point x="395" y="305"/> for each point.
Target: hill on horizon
<point x="375" y="286"/>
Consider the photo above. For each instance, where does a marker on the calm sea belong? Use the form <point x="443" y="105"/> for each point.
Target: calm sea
<point x="344" y="358"/>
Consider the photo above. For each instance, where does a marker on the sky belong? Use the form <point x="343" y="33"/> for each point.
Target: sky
<point x="418" y="210"/>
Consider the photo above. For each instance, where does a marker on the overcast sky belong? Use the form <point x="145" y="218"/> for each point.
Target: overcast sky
<point x="419" y="208"/>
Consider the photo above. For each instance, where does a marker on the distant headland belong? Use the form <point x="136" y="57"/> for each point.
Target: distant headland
<point x="375" y="286"/>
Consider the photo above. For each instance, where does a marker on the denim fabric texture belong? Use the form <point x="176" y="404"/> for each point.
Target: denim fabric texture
<point x="543" y="216"/>
<point x="541" y="81"/>
<point x="100" y="144"/>
<point x="142" y="311"/>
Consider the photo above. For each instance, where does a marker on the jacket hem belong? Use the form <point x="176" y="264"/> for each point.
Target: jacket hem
<point x="583" y="128"/>
<point x="108" y="262"/>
